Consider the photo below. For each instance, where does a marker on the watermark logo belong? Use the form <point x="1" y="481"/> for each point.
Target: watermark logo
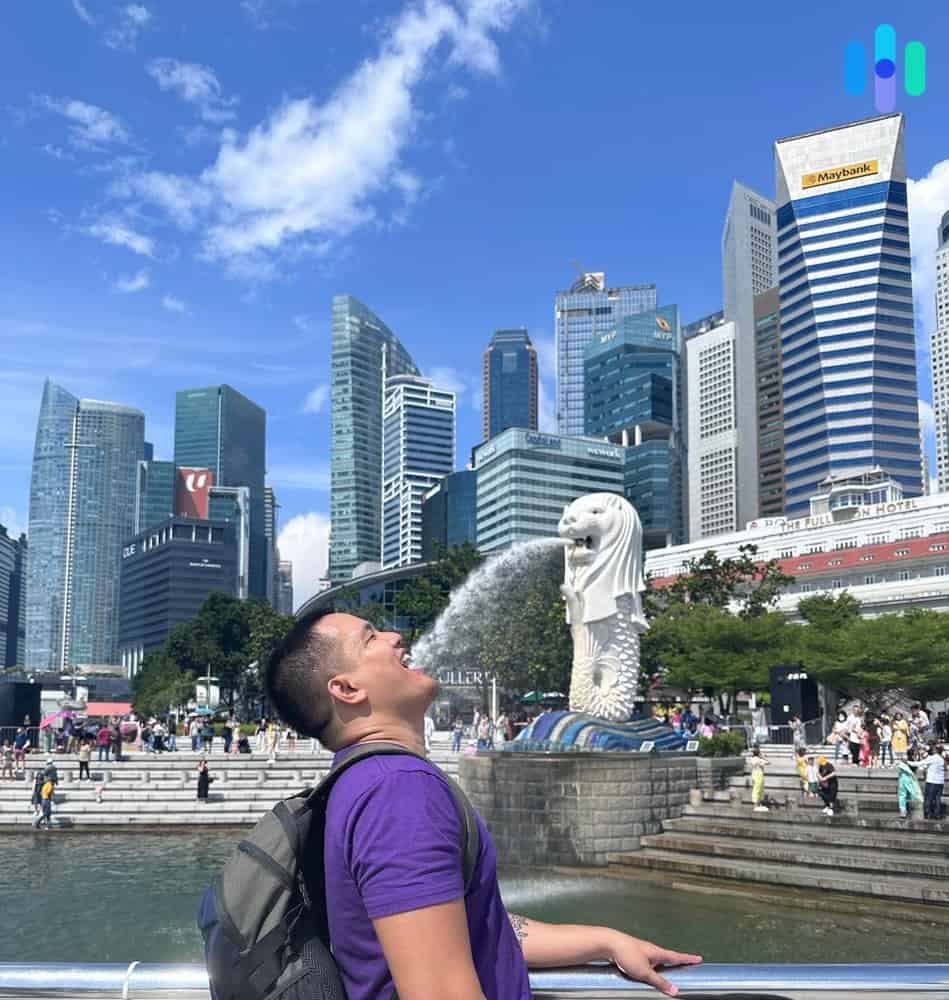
<point x="885" y="68"/>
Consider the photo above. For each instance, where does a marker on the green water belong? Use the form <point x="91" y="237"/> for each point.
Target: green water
<point x="121" y="897"/>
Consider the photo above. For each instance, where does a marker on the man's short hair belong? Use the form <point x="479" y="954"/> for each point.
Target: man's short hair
<point x="297" y="675"/>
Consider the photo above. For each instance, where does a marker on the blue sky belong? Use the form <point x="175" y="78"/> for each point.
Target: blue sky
<point x="187" y="185"/>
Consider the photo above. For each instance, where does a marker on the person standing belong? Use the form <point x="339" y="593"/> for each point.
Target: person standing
<point x="798" y="738"/>
<point x="758" y="764"/>
<point x="172" y="723"/>
<point x="207" y="735"/>
<point x="273" y="739"/>
<point x="827" y="777"/>
<point x="116" y="742"/>
<point x="194" y="731"/>
<point x="900" y="736"/>
<point x="838" y="736"/>
<point x="103" y="741"/>
<point x="21" y="747"/>
<point x="261" y="735"/>
<point x="429" y="732"/>
<point x="291" y="740"/>
<point x="935" y="764"/>
<point x="457" y="733"/>
<point x="204" y="781"/>
<point x="501" y="730"/>
<point x="85" y="752"/>
<point x="907" y="788"/>
<point x="886" y="741"/>
<point x="855" y="735"/>
<point x="484" y="732"/>
<point x="227" y="732"/>
<point x="46" y="804"/>
<point x="36" y="799"/>
<point x="6" y="754"/>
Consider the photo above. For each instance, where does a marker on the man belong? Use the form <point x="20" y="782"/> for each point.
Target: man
<point x="398" y="912"/>
<point x="429" y="732"/>
<point x="935" y="764"/>
<point x="21" y="747"/>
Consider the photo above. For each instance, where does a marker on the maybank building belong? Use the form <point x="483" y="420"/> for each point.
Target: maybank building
<point x="846" y="296"/>
<point x="525" y="480"/>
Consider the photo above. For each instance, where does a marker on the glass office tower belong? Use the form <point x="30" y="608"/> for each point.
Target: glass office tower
<point x="82" y="507"/>
<point x="154" y="494"/>
<point x="12" y="599"/>
<point x="219" y="429"/>
<point x="847" y="331"/>
<point x="588" y="309"/>
<point x="940" y="355"/>
<point x="418" y="449"/>
<point x="633" y="396"/>
<point x="509" y="398"/>
<point x="359" y="337"/>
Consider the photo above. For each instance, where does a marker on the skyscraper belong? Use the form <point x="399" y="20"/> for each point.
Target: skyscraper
<point x="359" y="337"/>
<point x="285" y="587"/>
<point x="749" y="267"/>
<point x="847" y="332"/>
<point x="450" y="513"/>
<point x="711" y="406"/>
<point x="12" y="599"/>
<point x="219" y="429"/>
<point x="82" y="507"/>
<point x="154" y="493"/>
<point x="273" y="555"/>
<point x="633" y="396"/>
<point x="589" y="308"/>
<point x="509" y="398"/>
<point x="940" y="355"/>
<point x="418" y="449"/>
<point x="770" y="409"/>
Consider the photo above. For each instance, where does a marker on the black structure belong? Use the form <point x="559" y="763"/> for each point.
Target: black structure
<point x="167" y="572"/>
<point x="793" y="692"/>
<point x="19" y="699"/>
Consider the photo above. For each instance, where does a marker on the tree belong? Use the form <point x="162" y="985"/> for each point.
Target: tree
<point x="425" y="597"/>
<point x="160" y="684"/>
<point x="828" y="613"/>
<point x="705" y="648"/>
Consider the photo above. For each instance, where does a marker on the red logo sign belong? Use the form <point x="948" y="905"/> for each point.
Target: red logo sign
<point x="192" y="492"/>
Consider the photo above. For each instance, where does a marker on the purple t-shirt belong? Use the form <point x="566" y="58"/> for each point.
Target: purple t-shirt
<point x="392" y="844"/>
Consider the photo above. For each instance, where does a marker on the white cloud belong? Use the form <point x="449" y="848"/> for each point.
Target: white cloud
<point x="304" y="540"/>
<point x="301" y="477"/>
<point x="174" y="305"/>
<point x="133" y="19"/>
<point x="180" y="197"/>
<point x="196" y="84"/>
<point x="10" y="519"/>
<point x="546" y="414"/>
<point x="114" y="231"/>
<point x="132" y="283"/>
<point x="57" y="152"/>
<point x="91" y="127"/>
<point x="82" y="12"/>
<point x="316" y="400"/>
<point x="310" y="172"/>
<point x="547" y="382"/>
<point x="546" y="356"/>
<point x="305" y="323"/>
<point x="928" y="200"/>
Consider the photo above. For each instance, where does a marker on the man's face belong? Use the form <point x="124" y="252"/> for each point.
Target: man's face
<point x="377" y="663"/>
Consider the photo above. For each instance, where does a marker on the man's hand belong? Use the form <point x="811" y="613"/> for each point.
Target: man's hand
<point x="640" y="959"/>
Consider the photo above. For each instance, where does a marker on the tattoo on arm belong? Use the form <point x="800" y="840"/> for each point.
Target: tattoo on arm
<point x="519" y="924"/>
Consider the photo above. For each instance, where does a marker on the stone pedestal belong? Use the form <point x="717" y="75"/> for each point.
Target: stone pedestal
<point x="575" y="808"/>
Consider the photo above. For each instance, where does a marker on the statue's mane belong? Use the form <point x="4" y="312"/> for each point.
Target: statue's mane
<point x="617" y="569"/>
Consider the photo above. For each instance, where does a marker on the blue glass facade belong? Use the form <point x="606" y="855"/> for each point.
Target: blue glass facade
<point x="359" y="337"/>
<point x="633" y="396"/>
<point x="846" y="301"/>
<point x="154" y="493"/>
<point x="509" y="398"/>
<point x="450" y="513"/>
<point x="82" y="507"/>
<point x="12" y="599"/>
<point x="588" y="310"/>
<point x="219" y="429"/>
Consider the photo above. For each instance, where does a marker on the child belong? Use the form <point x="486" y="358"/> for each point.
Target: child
<point x="812" y="777"/>
<point x="907" y="789"/>
<point x="7" y="755"/>
<point x="758" y="764"/>
<point x="800" y="763"/>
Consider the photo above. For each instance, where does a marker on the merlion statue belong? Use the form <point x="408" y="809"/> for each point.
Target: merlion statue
<point x="603" y="581"/>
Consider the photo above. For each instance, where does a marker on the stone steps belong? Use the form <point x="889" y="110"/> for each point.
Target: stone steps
<point x="742" y="816"/>
<point x="786" y="799"/>
<point x="900" y="888"/>
<point x="886" y="781"/>
<point x="849" y="857"/>
<point x="832" y="833"/>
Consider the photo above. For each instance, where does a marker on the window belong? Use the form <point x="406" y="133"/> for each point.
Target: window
<point x="870" y="579"/>
<point x="901" y="552"/>
<point x="910" y="533"/>
<point x="834" y="562"/>
<point x="801" y="566"/>
<point x="787" y="554"/>
<point x="837" y="584"/>
<point x="939" y="547"/>
<point x="904" y="575"/>
<point x="847" y="543"/>
<point x="806" y="588"/>
<point x="867" y="557"/>
<point x="942" y="571"/>
<point x="811" y="549"/>
<point x="880" y="539"/>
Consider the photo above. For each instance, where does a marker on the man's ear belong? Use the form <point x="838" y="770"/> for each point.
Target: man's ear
<point x="343" y="690"/>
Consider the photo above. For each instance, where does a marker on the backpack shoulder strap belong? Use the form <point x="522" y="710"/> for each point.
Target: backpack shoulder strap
<point x="470" y="833"/>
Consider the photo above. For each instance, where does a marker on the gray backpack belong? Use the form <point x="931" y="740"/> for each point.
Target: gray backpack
<point x="264" y="919"/>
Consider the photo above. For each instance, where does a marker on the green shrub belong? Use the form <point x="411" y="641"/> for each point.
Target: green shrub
<point x="730" y="744"/>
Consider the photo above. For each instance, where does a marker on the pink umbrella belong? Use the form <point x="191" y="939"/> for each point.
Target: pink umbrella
<point x="50" y="719"/>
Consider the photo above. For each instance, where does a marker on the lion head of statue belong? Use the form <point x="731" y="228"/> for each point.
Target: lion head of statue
<point x="604" y="559"/>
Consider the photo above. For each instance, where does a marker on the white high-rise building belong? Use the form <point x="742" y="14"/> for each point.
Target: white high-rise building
<point x="713" y="432"/>
<point x="418" y="450"/>
<point x="749" y="268"/>
<point x="848" y="346"/>
<point x="940" y="356"/>
<point x="588" y="308"/>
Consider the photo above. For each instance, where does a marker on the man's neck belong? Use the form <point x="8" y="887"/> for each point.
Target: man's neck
<point x="403" y="733"/>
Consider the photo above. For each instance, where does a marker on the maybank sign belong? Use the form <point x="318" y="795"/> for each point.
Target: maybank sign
<point x="833" y="175"/>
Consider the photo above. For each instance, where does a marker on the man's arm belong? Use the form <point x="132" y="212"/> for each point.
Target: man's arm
<point x="429" y="953"/>
<point x="550" y="945"/>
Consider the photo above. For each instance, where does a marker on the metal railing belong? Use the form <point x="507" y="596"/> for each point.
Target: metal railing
<point x="749" y="982"/>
